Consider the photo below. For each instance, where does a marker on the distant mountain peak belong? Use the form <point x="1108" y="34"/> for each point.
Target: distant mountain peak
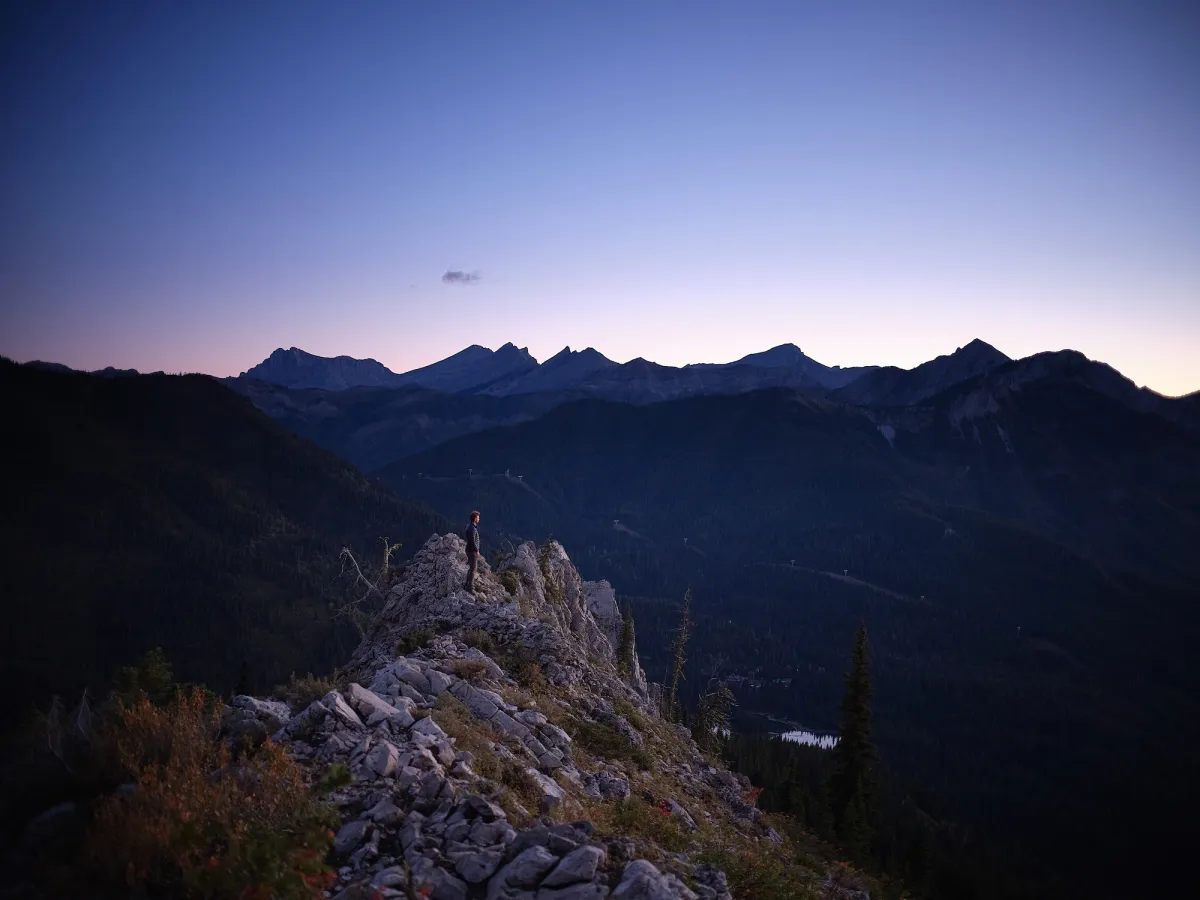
<point x="977" y="348"/>
<point x="298" y="368"/>
<point x="892" y="386"/>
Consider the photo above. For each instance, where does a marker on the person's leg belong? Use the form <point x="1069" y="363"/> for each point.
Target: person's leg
<point x="472" y="564"/>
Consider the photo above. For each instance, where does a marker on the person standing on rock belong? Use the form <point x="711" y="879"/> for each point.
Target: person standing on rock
<point x="472" y="537"/>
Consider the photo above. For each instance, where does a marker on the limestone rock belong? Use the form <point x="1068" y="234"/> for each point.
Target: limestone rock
<point x="552" y="794"/>
<point x="272" y="713"/>
<point x="641" y="880"/>
<point x="382" y="759"/>
<point x="578" y="865"/>
<point x="479" y="866"/>
<point x="349" y="836"/>
<point x="682" y="815"/>
<point x="525" y="871"/>
<point x="341" y="710"/>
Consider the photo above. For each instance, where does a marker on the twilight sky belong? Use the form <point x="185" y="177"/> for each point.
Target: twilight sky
<point x="189" y="186"/>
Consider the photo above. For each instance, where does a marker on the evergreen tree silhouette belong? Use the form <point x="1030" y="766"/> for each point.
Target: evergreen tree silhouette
<point x="852" y="786"/>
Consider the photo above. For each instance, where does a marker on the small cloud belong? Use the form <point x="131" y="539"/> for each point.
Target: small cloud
<point x="453" y="276"/>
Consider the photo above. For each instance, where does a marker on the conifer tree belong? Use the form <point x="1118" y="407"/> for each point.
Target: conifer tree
<point x="678" y="648"/>
<point x="852" y="786"/>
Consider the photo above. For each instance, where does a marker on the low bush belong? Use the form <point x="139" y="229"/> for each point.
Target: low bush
<point x="198" y="824"/>
<point x="636" y="718"/>
<point x="511" y="579"/>
<point x="634" y="817"/>
<point x="522" y="663"/>
<point x="414" y="641"/>
<point x="764" y="875"/>
<point x="600" y="740"/>
<point x="479" y="639"/>
<point x="472" y="670"/>
<point x="300" y="692"/>
<point x="515" y="777"/>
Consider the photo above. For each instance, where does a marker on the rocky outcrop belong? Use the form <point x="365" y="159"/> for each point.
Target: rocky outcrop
<point x="507" y="819"/>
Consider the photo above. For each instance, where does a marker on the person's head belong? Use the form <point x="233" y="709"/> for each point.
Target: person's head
<point x="475" y="515"/>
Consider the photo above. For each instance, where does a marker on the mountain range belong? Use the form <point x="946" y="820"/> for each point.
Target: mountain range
<point x="390" y="416"/>
<point x="512" y="370"/>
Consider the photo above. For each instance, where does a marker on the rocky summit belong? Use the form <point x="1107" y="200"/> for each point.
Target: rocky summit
<point x="496" y="748"/>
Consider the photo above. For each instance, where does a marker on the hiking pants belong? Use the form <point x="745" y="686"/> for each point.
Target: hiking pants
<point x="472" y="565"/>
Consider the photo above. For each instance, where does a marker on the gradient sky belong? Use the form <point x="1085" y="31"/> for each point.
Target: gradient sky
<point x="188" y="186"/>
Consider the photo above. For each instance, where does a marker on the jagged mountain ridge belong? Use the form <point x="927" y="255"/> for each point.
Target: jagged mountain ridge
<point x="511" y="370"/>
<point x="473" y="369"/>
<point x="565" y="370"/>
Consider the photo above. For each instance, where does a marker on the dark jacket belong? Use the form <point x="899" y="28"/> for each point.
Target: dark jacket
<point x="472" y="537"/>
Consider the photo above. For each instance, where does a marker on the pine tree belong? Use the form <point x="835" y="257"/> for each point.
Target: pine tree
<point x="626" y="645"/>
<point x="678" y="647"/>
<point x="852" y="786"/>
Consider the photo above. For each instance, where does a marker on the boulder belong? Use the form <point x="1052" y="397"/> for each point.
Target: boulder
<point x="578" y="865"/>
<point x="525" y="871"/>
<point x="642" y="881"/>
<point x="341" y="710"/>
<point x="349" y="836"/>
<point x="478" y="866"/>
<point x="382" y="759"/>
<point x="272" y="713"/>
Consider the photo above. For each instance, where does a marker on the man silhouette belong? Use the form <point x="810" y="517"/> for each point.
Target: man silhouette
<point x="472" y="538"/>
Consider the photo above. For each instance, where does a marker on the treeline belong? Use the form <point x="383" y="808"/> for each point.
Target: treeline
<point x="933" y="860"/>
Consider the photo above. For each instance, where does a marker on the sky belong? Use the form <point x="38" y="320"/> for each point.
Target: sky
<point x="187" y="187"/>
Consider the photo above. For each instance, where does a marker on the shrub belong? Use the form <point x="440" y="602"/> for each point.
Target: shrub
<point x="479" y="639"/>
<point x="515" y="777"/>
<point x="511" y="579"/>
<point x="472" y="670"/>
<point x="414" y="641"/>
<point x="199" y="825"/>
<point x="524" y="666"/>
<point x="469" y="734"/>
<point x="600" y="740"/>
<point x="758" y="874"/>
<point x="150" y="677"/>
<point x="300" y="692"/>
<point x="634" y="816"/>
<point x="633" y="714"/>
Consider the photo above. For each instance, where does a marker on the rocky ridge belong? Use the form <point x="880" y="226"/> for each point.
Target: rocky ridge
<point x="455" y="720"/>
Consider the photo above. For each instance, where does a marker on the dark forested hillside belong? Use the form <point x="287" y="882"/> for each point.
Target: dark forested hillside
<point x="165" y="510"/>
<point x="1024" y="571"/>
<point x="372" y="426"/>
